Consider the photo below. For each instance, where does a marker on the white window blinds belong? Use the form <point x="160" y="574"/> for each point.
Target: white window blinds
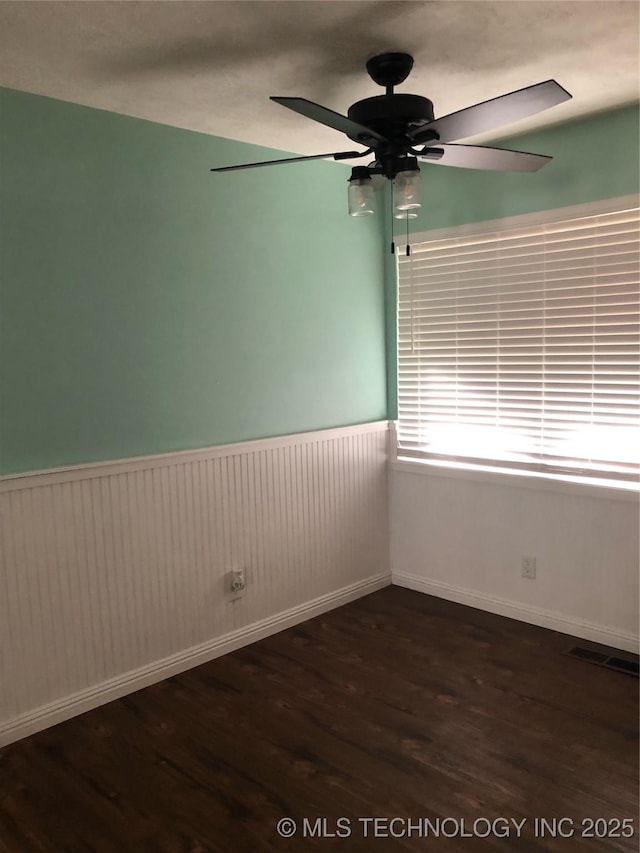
<point x="521" y="347"/>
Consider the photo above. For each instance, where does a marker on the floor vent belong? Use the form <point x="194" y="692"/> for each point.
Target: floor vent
<point x="611" y="658"/>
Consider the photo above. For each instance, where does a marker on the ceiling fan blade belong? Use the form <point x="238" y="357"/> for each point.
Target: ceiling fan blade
<point x="492" y="114"/>
<point x="481" y="157"/>
<point x="331" y="119"/>
<point x="341" y="155"/>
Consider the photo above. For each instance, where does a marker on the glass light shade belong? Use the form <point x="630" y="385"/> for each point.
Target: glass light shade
<point x="360" y="194"/>
<point x="406" y="195"/>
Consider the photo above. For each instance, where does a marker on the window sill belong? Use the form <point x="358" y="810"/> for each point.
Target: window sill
<point x="607" y="489"/>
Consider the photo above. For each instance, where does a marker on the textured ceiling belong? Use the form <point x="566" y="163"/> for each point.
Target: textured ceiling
<point x="211" y="66"/>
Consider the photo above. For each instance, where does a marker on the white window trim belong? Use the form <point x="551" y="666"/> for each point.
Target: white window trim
<point x="610" y="490"/>
<point x="522" y="220"/>
<point x="557" y="482"/>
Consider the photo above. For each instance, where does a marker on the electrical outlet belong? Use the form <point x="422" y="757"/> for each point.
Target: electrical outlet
<point x="529" y="567"/>
<point x="238" y="582"/>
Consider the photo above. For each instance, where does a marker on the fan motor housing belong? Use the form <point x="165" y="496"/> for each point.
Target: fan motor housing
<point x="391" y="115"/>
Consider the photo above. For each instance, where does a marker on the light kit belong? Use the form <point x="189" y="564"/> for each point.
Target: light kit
<point x="404" y="174"/>
<point x="360" y="193"/>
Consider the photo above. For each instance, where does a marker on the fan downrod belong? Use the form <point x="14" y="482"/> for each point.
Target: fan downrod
<point x="389" y="69"/>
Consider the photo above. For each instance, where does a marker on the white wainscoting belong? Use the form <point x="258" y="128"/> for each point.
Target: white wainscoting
<point x="116" y="575"/>
<point x="461" y="535"/>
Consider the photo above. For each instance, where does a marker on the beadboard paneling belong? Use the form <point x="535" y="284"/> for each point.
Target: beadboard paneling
<point x="461" y="535"/>
<point x="112" y="569"/>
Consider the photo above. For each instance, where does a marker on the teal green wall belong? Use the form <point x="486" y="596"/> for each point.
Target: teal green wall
<point x="594" y="158"/>
<point x="147" y="305"/>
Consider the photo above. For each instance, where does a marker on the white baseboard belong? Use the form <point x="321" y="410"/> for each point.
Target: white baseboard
<point x="524" y="613"/>
<point x="129" y="682"/>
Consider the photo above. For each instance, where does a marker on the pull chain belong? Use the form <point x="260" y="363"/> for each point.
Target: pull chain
<point x="393" y="245"/>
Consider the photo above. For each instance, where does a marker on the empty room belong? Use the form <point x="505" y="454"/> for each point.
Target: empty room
<point x="319" y="426"/>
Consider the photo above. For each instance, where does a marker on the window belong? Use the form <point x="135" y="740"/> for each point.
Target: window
<point x="519" y="346"/>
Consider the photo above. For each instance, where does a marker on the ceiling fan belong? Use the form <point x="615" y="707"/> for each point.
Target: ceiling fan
<point x="398" y="130"/>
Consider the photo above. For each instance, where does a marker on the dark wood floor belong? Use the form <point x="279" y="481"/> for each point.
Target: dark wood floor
<point x="398" y="705"/>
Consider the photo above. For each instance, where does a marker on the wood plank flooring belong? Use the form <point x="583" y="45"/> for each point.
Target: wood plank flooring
<point x="398" y="705"/>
